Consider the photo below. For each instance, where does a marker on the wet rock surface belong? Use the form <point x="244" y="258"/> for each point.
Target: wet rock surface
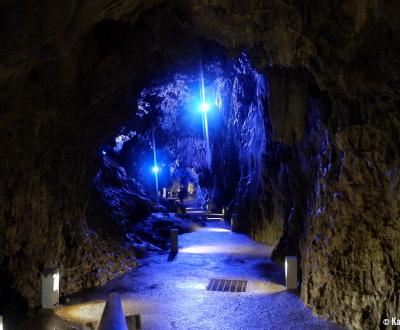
<point x="118" y="202"/>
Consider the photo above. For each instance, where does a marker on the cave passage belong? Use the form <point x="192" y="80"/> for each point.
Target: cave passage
<point x="234" y="122"/>
<point x="195" y="134"/>
<point x="191" y="159"/>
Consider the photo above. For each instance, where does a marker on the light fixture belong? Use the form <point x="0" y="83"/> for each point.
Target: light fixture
<point x="291" y="272"/>
<point x="1" y="323"/>
<point x="155" y="169"/>
<point x="56" y="282"/>
<point x="204" y="107"/>
<point x="50" y="288"/>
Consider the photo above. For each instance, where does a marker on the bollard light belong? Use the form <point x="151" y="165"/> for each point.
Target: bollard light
<point x="235" y="222"/>
<point x="291" y="272"/>
<point x="50" y="288"/>
<point x="174" y="240"/>
<point x="1" y="323"/>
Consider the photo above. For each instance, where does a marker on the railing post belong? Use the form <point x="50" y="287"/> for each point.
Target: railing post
<point x="174" y="240"/>
<point x="235" y="222"/>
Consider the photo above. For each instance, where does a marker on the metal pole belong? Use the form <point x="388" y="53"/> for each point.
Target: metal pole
<point x="207" y="140"/>
<point x="174" y="240"/>
<point x="202" y="96"/>
<point x="205" y="121"/>
<point x="155" y="163"/>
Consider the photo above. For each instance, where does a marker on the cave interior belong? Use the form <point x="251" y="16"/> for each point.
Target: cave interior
<point x="275" y="121"/>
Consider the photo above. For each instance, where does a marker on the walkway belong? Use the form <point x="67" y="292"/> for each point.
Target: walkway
<point x="173" y="295"/>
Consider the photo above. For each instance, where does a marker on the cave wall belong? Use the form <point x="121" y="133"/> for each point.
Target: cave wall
<point x="67" y="82"/>
<point x="349" y="251"/>
<point x="67" y="87"/>
<point x="330" y="174"/>
<point x="329" y="195"/>
<point x="237" y="138"/>
<point x="284" y="174"/>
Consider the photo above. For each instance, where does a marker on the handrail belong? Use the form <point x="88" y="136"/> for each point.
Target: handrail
<point x="113" y="317"/>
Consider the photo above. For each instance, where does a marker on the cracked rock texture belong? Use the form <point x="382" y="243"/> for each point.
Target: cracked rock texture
<point x="69" y="71"/>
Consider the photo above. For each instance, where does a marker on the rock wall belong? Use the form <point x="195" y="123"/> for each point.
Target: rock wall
<point x="292" y="141"/>
<point x="329" y="194"/>
<point x="330" y="171"/>
<point x="350" y="255"/>
<point x="67" y="86"/>
<point x="238" y="140"/>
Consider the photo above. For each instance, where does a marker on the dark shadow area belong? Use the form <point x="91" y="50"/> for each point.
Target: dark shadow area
<point x="12" y="303"/>
<point x="271" y="271"/>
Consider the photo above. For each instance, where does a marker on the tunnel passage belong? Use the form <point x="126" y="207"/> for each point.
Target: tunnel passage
<point x="70" y="72"/>
<point x="226" y="138"/>
<point x="265" y="143"/>
<point x="195" y="132"/>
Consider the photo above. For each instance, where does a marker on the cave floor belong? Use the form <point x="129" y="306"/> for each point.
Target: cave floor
<point x="173" y="295"/>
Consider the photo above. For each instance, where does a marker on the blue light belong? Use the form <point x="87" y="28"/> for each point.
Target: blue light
<point x="155" y="169"/>
<point x="204" y="107"/>
<point x="104" y="153"/>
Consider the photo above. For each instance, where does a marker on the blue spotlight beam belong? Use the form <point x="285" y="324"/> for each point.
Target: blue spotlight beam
<point x="155" y="168"/>
<point x="204" y="107"/>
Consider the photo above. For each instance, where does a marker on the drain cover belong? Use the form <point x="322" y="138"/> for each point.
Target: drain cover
<point x="227" y="285"/>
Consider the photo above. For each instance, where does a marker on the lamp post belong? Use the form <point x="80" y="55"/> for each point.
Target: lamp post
<point x="155" y="168"/>
<point x="204" y="107"/>
<point x="174" y="240"/>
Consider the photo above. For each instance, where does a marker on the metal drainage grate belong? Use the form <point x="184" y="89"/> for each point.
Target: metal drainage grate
<point x="227" y="285"/>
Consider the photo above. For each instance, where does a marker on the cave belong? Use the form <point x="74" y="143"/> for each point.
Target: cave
<point x="264" y="132"/>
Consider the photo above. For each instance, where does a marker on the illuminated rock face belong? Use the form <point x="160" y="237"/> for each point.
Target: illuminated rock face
<point x="71" y="70"/>
<point x="238" y="140"/>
